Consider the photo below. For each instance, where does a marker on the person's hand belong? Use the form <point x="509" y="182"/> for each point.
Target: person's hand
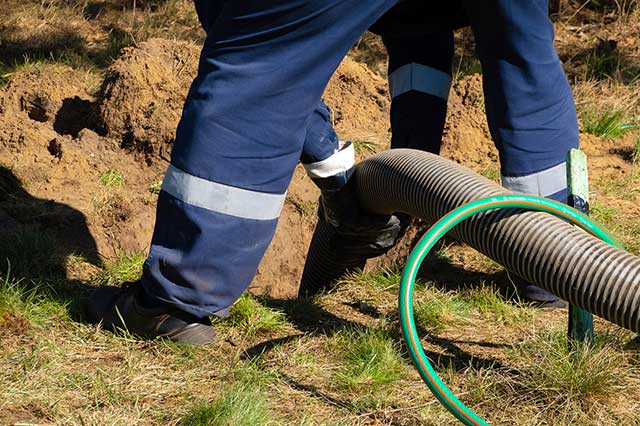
<point x="359" y="235"/>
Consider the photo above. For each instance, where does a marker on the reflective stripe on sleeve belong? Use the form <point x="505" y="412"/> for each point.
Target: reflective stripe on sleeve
<point x="339" y="162"/>
<point x="544" y="183"/>
<point x="221" y="198"/>
<point x="420" y="78"/>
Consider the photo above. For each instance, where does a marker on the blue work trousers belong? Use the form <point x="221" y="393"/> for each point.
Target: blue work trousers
<point x="256" y="100"/>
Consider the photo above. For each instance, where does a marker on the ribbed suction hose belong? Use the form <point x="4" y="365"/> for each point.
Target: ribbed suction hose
<point x="541" y="248"/>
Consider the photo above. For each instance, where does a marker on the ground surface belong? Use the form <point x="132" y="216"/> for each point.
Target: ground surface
<point x="90" y="94"/>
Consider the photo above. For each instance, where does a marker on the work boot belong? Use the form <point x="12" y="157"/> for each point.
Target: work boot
<point x="120" y="307"/>
<point x="536" y="296"/>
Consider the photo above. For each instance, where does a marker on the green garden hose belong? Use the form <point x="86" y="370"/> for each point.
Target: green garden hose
<point x="424" y="246"/>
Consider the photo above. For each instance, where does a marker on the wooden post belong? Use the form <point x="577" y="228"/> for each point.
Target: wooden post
<point x="580" y="321"/>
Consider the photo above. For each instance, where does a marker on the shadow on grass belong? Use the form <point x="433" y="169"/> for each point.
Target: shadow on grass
<point x="64" y="46"/>
<point x="37" y="238"/>
<point x="310" y="318"/>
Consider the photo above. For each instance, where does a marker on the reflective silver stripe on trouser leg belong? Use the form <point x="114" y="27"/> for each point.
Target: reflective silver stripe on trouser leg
<point x="340" y="162"/>
<point x="420" y="78"/>
<point x="544" y="183"/>
<point x="221" y="198"/>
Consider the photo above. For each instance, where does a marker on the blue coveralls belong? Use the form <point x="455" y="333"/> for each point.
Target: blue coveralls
<point x="255" y="105"/>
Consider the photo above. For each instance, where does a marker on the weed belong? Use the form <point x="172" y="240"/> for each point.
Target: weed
<point x="155" y="187"/>
<point x="608" y="125"/>
<point x="253" y="318"/>
<point x="491" y="173"/>
<point x="387" y="279"/>
<point x="306" y="209"/>
<point x="31" y="252"/>
<point x="32" y="300"/>
<point x="488" y="301"/>
<point x="240" y="405"/>
<point x="467" y="66"/>
<point x="635" y="156"/>
<point x="112" y="179"/>
<point x="127" y="268"/>
<point x="552" y="371"/>
<point x="371" y="359"/>
<point x="602" y="214"/>
<point x="365" y="147"/>
<point x="442" y="310"/>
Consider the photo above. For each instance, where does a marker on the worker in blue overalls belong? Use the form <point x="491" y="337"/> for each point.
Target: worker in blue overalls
<point x="255" y="106"/>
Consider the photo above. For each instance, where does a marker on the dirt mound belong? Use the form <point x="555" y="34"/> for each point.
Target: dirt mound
<point x="51" y="165"/>
<point x="466" y="137"/>
<point x="143" y="93"/>
<point x="359" y="101"/>
<point x="54" y="94"/>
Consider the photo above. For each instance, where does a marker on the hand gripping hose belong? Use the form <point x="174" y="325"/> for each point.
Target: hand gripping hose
<point x="422" y="249"/>
<point x="539" y="247"/>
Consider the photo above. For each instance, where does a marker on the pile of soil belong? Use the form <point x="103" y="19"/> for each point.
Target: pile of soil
<point x="466" y="137"/>
<point x="359" y="102"/>
<point x="143" y="93"/>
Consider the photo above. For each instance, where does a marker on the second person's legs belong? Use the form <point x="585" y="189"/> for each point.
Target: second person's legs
<point x="419" y="83"/>
<point x="530" y="107"/>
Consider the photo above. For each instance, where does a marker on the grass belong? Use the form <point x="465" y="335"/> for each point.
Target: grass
<point x="240" y="405"/>
<point x="371" y="359"/>
<point x="489" y="302"/>
<point x="9" y="69"/>
<point x="340" y="358"/>
<point x="24" y="303"/>
<point x="385" y="280"/>
<point x="620" y="7"/>
<point x="608" y="125"/>
<point x="126" y="268"/>
<point x="635" y="156"/>
<point x="251" y="317"/>
<point x="112" y="179"/>
<point x="556" y="372"/>
<point x="353" y="374"/>
<point x="603" y="63"/>
<point x="31" y="251"/>
<point x="445" y="309"/>
<point x="243" y="402"/>
<point x="438" y="310"/>
<point x="89" y="35"/>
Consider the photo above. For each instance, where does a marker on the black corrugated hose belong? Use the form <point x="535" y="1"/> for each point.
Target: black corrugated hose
<point x="539" y="247"/>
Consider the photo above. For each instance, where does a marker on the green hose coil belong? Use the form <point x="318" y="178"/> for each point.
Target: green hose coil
<point x="424" y="246"/>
